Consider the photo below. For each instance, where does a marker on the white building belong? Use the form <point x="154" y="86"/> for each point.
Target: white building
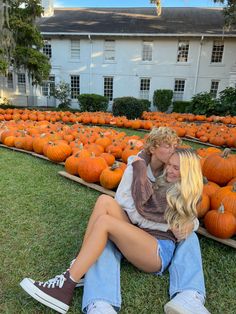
<point x="131" y="52"/>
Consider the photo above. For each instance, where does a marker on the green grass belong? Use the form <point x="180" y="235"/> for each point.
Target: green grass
<point x="43" y="219"/>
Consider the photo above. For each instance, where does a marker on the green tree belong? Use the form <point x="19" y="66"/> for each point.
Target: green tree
<point x="229" y="12"/>
<point x="20" y="39"/>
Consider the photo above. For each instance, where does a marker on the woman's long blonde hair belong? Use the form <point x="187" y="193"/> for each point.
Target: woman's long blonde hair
<point x="183" y="196"/>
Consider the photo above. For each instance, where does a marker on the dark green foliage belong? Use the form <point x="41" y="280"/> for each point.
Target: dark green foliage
<point x="180" y="106"/>
<point x="162" y="99"/>
<point x="202" y="103"/>
<point x="93" y="102"/>
<point x="130" y="107"/>
<point x="227" y="102"/>
<point x="25" y="41"/>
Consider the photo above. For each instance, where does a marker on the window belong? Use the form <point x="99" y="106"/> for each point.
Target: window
<point x="74" y="86"/>
<point x="109" y="50"/>
<point x="75" y="49"/>
<point x="179" y="89"/>
<point x="21" y="82"/>
<point x="147" y="51"/>
<point x="144" y="88"/>
<point x="183" y="49"/>
<point x="47" y="49"/>
<point x="108" y="87"/>
<point x="214" y="88"/>
<point x="217" y="52"/>
<point x="48" y="87"/>
<point x="9" y="80"/>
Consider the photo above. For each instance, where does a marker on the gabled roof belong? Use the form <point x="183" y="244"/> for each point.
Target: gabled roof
<point x="135" y="21"/>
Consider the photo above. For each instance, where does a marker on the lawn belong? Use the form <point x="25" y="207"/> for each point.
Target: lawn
<point x="43" y="219"/>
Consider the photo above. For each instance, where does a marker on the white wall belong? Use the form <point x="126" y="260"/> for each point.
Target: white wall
<point x="128" y="67"/>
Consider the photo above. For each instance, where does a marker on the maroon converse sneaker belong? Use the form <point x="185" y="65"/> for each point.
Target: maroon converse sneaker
<point x="55" y="293"/>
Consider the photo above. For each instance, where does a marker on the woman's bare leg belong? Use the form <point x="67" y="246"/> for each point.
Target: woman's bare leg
<point x="105" y="205"/>
<point x="136" y="245"/>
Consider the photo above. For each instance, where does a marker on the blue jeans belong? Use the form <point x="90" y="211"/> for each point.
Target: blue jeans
<point x="102" y="281"/>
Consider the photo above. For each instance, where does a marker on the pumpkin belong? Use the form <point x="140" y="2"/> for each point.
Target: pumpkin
<point x="9" y="141"/>
<point x="58" y="152"/>
<point x="226" y="196"/>
<point x="38" y="143"/>
<point x="232" y="181"/>
<point x="220" y="223"/>
<point x="203" y="206"/>
<point x="90" y="168"/>
<point x="109" y="158"/>
<point x="111" y="176"/>
<point x="209" y="187"/>
<point x="71" y="164"/>
<point x="129" y="151"/>
<point x="220" y="168"/>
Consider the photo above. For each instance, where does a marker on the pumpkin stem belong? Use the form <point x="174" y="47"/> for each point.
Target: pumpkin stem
<point x="226" y="152"/>
<point x="205" y="181"/>
<point x="115" y="166"/>
<point x="234" y="187"/>
<point x="221" y="209"/>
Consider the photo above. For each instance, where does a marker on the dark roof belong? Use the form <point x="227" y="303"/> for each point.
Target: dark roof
<point x="173" y="21"/>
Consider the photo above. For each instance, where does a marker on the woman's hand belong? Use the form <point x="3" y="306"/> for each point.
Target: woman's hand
<point x="183" y="232"/>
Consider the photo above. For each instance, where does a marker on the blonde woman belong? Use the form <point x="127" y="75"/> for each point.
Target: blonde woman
<point x="107" y="223"/>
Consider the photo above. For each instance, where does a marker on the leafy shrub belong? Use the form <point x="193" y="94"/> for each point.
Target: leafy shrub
<point x="130" y="107"/>
<point x="62" y="93"/>
<point x="180" y="106"/>
<point x="203" y="103"/>
<point x="227" y="102"/>
<point x="162" y="99"/>
<point x="93" y="102"/>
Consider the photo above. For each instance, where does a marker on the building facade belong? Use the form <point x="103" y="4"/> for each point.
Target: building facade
<point x="131" y="52"/>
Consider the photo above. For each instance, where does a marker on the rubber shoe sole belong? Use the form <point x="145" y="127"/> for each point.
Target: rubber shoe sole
<point x="174" y="309"/>
<point x="80" y="283"/>
<point x="27" y="284"/>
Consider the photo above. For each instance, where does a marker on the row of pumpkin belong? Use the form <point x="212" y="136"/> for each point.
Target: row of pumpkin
<point x="100" y="155"/>
<point x="218" y="134"/>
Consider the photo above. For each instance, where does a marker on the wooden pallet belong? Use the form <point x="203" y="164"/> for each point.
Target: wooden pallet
<point x="30" y="153"/>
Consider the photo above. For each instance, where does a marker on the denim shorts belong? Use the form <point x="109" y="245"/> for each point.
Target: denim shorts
<point x="165" y="250"/>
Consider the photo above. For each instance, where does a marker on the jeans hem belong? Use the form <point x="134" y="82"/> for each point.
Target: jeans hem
<point x="114" y="304"/>
<point x="173" y="294"/>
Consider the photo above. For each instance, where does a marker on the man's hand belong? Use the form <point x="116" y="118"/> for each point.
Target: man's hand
<point x="183" y="232"/>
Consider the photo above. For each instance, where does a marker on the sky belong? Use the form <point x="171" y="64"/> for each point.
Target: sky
<point x="133" y="3"/>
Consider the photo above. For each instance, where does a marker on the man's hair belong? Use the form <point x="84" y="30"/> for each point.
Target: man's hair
<point x="161" y="135"/>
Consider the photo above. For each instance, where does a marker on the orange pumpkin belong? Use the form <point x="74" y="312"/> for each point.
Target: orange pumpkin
<point x="58" y="152"/>
<point x="226" y="196"/>
<point x="220" y="168"/>
<point x="220" y="223"/>
<point x="203" y="206"/>
<point x="90" y="168"/>
<point x="209" y="187"/>
<point x="111" y="177"/>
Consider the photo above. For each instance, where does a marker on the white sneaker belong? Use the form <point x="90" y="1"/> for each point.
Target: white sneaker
<point x="100" y="307"/>
<point x="186" y="302"/>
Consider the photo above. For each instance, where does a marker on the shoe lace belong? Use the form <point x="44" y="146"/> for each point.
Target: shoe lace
<point x="57" y="281"/>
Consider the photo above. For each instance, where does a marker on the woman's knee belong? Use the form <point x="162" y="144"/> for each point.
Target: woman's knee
<point x="104" y="199"/>
<point x="103" y="221"/>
